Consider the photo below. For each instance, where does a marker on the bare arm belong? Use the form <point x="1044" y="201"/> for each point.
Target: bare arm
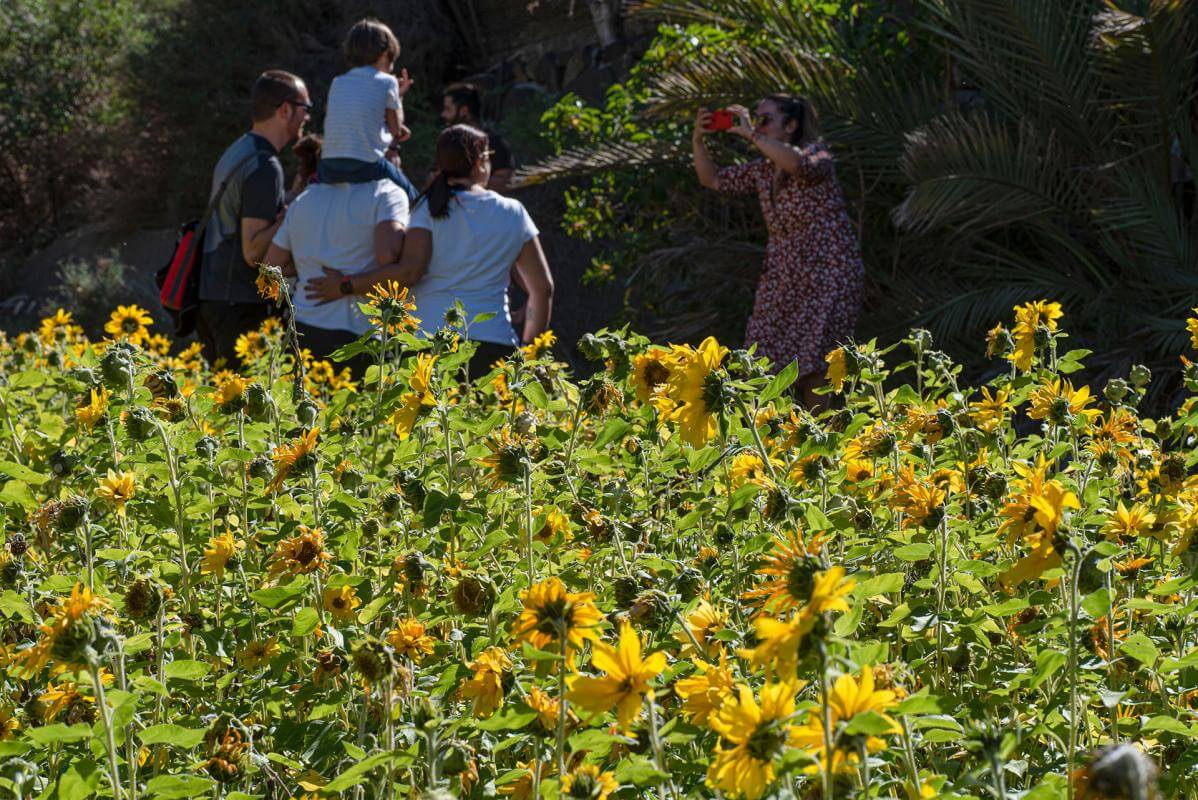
<point x="399" y="132"/>
<point x="255" y="237"/>
<point x="278" y="257"/>
<point x="787" y="157"/>
<point x="705" y="167"/>
<point x="534" y="270"/>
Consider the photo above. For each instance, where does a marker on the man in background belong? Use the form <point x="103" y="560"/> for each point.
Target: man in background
<point x="248" y="215"/>
<point x="461" y="103"/>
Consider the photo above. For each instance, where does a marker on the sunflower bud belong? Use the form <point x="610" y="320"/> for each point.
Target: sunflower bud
<point x="688" y="583"/>
<point x="1121" y="772"/>
<point x="258" y="402"/>
<point x="473" y="595"/>
<point x="391" y="503"/>
<point x="426" y="714"/>
<point x="651" y="608"/>
<point x="456" y="757"/>
<point x="350" y="479"/>
<point x="261" y="467"/>
<point x="143" y="599"/>
<point x="1116" y="389"/>
<point x="1140" y="376"/>
<point x="306" y="412"/>
<point x="62" y="463"/>
<point x="139" y="423"/>
<point x="374" y="660"/>
<point x="116" y="366"/>
<point x="72" y="513"/>
<point x="525" y="424"/>
<point x="626" y="588"/>
<point x="206" y="447"/>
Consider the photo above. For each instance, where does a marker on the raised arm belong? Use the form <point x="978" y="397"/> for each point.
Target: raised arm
<point x="705" y="167"/>
<point x="534" y="270"/>
<point x="809" y="164"/>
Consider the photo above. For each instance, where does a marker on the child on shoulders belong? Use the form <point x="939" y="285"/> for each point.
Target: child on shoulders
<point x="365" y="111"/>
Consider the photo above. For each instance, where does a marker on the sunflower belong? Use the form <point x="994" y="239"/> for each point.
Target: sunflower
<point x="539" y="346"/>
<point x="259" y="653"/>
<point x="9" y="724"/>
<point x="547" y="708"/>
<point x="117" y="488"/>
<point x="394" y="304"/>
<point x="58" y="325"/>
<point x="990" y="412"/>
<point x="703" y="693"/>
<point x="551" y="612"/>
<point x="221" y="553"/>
<point x="703" y="623"/>
<point x="1192" y="327"/>
<point x="837" y="361"/>
<point x="828" y="592"/>
<point x="485" y="688"/>
<point x="70" y="615"/>
<point x="650" y="370"/>
<point x="93" y="411"/>
<point x="556" y="523"/>
<point x="587" y="782"/>
<point x="694" y="393"/>
<point x="848" y="698"/>
<point x="409" y="639"/>
<point x="230" y="392"/>
<point x="292" y="457"/>
<point x="341" y="602"/>
<point x="521" y="787"/>
<point x="1029" y="319"/>
<point x="1128" y="523"/>
<point x="747" y="467"/>
<point x="753" y="737"/>
<point x="270" y="283"/>
<point x="789" y="572"/>
<point x="778" y="640"/>
<point x="1058" y="402"/>
<point x="509" y="458"/>
<point x="250" y="346"/>
<point x="920" y="501"/>
<point x="129" y="322"/>
<point x="299" y="555"/>
<point x="625" y="682"/>
<point x="419" y="396"/>
<point x="1047" y="508"/>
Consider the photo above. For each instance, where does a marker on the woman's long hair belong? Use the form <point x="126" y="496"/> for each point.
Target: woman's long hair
<point x="799" y="109"/>
<point x="459" y="147"/>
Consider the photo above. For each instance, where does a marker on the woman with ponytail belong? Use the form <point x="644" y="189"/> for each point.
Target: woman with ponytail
<point x="460" y="245"/>
<point x="810" y="289"/>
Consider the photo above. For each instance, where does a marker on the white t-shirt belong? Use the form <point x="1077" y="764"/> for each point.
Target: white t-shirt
<point x="355" y="123"/>
<point x="474" y="249"/>
<point x="332" y="225"/>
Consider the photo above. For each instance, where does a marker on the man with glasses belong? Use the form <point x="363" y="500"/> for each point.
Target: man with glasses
<point x="247" y="215"/>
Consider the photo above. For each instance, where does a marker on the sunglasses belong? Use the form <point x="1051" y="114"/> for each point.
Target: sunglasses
<point x="305" y="106"/>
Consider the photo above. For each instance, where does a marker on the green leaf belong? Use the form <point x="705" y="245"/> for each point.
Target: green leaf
<point x="372" y="609"/>
<point x="1047" y="663"/>
<point x="13" y="605"/>
<point x="49" y="734"/>
<point x="305" y="622"/>
<point x="919" y="551"/>
<point x="1141" y="648"/>
<point x="14" y="470"/>
<point x="1006" y="608"/>
<point x="79" y="781"/>
<point x="880" y="584"/>
<point x="277" y="596"/>
<point x="17" y="493"/>
<point x="870" y="723"/>
<point x="357" y="773"/>
<point x="509" y="719"/>
<point x="175" y="786"/>
<point x="639" y="771"/>
<point x="1097" y="603"/>
<point x="186" y="670"/>
<point x="535" y="394"/>
<point x="175" y="735"/>
<point x="781" y="382"/>
<point x="1161" y="722"/>
<point x="923" y="702"/>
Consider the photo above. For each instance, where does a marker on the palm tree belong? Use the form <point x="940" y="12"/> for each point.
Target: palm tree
<point x="1048" y="158"/>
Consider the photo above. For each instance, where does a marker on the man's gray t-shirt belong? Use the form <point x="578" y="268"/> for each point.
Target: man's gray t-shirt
<point x="255" y="190"/>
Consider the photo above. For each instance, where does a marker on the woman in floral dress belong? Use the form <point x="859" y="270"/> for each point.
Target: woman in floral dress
<point x="810" y="289"/>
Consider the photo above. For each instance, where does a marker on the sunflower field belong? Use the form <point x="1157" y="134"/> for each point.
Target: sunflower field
<point x="666" y="580"/>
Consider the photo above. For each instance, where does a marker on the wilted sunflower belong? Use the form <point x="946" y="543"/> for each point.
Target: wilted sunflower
<point x="418" y="397"/>
<point x="130" y="323"/>
<point x="299" y="555"/>
<point x="789" y="573"/>
<point x="551" y="612"/>
<point x="394" y="304"/>
<point x="291" y="457"/>
<point x="220" y="553"/>
<point x="69" y="620"/>
<point x="270" y="283"/>
<point x="838" y="371"/>
<point x="509" y="458"/>
<point x="409" y="639"/>
<point x="485" y="688"/>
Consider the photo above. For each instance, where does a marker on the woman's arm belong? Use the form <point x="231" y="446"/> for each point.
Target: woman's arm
<point x="417" y="244"/>
<point x="705" y="168"/>
<point x="534" y="270"/>
<point x="787" y="157"/>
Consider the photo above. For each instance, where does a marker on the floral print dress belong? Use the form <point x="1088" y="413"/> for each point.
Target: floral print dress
<point x="811" y="287"/>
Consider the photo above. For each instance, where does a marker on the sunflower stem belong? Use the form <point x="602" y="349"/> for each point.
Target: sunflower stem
<point x="825" y="772"/>
<point x="562" y="705"/>
<point x="110" y="737"/>
<point x="180" y="526"/>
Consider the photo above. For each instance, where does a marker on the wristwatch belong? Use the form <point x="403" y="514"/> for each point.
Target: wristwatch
<point x="346" y="285"/>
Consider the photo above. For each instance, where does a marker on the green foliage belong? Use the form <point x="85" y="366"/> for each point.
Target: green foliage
<point x="62" y="104"/>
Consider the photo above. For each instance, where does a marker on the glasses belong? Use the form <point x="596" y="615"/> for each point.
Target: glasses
<point x="305" y="106"/>
<point x="764" y="119"/>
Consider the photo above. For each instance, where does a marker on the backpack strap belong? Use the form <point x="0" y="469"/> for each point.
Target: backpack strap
<point x="202" y="228"/>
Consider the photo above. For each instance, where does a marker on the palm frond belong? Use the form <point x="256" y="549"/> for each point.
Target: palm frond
<point x="582" y="161"/>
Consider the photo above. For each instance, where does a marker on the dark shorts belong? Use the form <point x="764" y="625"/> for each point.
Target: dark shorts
<point x="218" y="325"/>
<point x="323" y="342"/>
<point x="486" y="355"/>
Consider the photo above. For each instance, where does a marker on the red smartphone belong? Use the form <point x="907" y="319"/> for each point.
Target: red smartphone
<point x="721" y="120"/>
